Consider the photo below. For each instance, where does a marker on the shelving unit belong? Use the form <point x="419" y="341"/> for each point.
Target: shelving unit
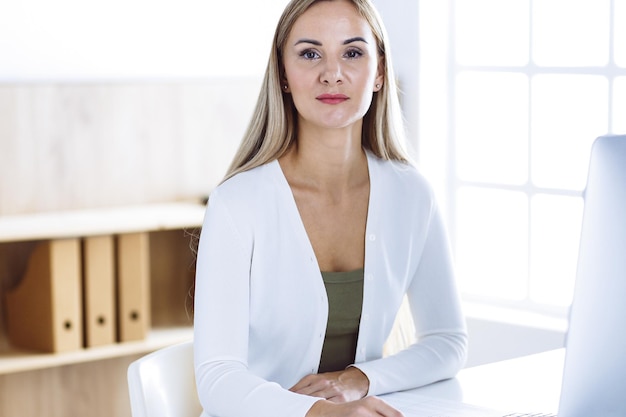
<point x="170" y="228"/>
<point x="13" y="360"/>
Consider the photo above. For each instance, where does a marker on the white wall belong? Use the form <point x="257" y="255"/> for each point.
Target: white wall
<point x="70" y="146"/>
<point x="400" y="19"/>
<point x="95" y="40"/>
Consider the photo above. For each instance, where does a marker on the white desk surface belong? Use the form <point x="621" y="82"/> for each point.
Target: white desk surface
<point x="527" y="384"/>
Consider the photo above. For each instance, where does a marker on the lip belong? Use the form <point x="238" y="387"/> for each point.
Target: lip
<point x="332" y="98"/>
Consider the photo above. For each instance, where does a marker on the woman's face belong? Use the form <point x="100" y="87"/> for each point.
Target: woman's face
<point x="331" y="65"/>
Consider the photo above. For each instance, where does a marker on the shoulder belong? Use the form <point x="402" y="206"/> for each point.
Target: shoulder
<point x="252" y="177"/>
<point x="399" y="178"/>
<point x="248" y="184"/>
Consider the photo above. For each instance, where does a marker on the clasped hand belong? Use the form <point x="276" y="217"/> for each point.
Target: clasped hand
<point x="344" y="392"/>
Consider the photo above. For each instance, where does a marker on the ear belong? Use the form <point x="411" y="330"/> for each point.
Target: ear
<point x="380" y="76"/>
<point x="284" y="85"/>
<point x="378" y="83"/>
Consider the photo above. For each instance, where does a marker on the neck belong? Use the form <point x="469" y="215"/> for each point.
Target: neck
<point x="330" y="160"/>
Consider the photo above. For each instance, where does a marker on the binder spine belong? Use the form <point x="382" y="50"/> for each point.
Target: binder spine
<point x="99" y="290"/>
<point x="44" y="312"/>
<point x="133" y="289"/>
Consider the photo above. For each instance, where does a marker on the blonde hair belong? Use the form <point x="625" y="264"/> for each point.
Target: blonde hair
<point x="273" y="127"/>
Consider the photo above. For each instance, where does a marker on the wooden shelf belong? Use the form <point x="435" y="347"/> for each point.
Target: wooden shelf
<point x="115" y="220"/>
<point x="92" y="380"/>
<point x="19" y="361"/>
<point x="169" y="281"/>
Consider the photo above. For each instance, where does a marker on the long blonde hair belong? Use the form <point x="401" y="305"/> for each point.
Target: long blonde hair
<point x="273" y="127"/>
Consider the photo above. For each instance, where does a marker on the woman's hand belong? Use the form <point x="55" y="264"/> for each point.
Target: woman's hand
<point x="338" y="387"/>
<point x="343" y="392"/>
<point x="365" y="407"/>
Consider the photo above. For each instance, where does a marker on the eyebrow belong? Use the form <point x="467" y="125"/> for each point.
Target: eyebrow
<point x="356" y="39"/>
<point x="318" y="43"/>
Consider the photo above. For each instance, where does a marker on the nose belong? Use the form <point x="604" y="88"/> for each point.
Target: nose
<point x="332" y="73"/>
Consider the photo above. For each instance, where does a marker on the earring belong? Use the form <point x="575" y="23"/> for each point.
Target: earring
<point x="377" y="85"/>
<point x="285" y="86"/>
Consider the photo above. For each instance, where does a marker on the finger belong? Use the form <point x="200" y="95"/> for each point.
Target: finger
<point x="308" y="386"/>
<point x="303" y="383"/>
<point x="321" y="387"/>
<point x="378" y="407"/>
<point x="386" y="410"/>
<point x="318" y="388"/>
<point x="337" y="398"/>
<point x="310" y="390"/>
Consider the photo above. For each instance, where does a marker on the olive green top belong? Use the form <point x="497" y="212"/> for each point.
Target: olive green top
<point x="345" y="300"/>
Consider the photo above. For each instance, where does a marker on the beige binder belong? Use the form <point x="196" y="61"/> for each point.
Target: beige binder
<point x="45" y="311"/>
<point x="99" y="291"/>
<point x="133" y="286"/>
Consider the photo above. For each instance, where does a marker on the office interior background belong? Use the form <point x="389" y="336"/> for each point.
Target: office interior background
<point x="131" y="102"/>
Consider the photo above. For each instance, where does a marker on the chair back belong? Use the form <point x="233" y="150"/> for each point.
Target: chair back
<point x="163" y="384"/>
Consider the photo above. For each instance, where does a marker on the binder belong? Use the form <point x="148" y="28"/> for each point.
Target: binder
<point x="99" y="290"/>
<point x="44" y="312"/>
<point x="133" y="289"/>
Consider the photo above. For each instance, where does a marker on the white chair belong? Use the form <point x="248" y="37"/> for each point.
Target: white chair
<point x="162" y="383"/>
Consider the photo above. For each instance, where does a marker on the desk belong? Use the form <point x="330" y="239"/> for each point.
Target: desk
<point x="527" y="384"/>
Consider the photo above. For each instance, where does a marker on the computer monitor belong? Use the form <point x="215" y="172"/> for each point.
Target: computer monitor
<point x="594" y="379"/>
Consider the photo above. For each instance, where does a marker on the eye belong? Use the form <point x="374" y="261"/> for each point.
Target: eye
<point x="353" y="53"/>
<point x="309" y="54"/>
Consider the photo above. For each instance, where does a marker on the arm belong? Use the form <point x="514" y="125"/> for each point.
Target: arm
<point x="441" y="346"/>
<point x="226" y="386"/>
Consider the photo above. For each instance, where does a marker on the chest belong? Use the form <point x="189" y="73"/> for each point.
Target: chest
<point x="336" y="228"/>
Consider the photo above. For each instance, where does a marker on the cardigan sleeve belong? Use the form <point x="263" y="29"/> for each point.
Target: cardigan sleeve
<point x="226" y="386"/>
<point x="441" y="346"/>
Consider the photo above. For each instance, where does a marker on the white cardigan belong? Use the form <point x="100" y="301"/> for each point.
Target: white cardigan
<point x="260" y="302"/>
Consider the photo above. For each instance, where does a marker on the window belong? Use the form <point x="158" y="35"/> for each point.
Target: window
<point x="523" y="88"/>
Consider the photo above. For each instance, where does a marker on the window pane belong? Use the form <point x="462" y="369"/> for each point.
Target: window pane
<point x="492" y="127"/>
<point x="571" y="32"/>
<point x="619" y="25"/>
<point x="492" y="32"/>
<point x="492" y="242"/>
<point x="555" y="234"/>
<point x="568" y="113"/>
<point x="619" y="105"/>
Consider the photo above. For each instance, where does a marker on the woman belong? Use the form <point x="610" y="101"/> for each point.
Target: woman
<point x="319" y="230"/>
